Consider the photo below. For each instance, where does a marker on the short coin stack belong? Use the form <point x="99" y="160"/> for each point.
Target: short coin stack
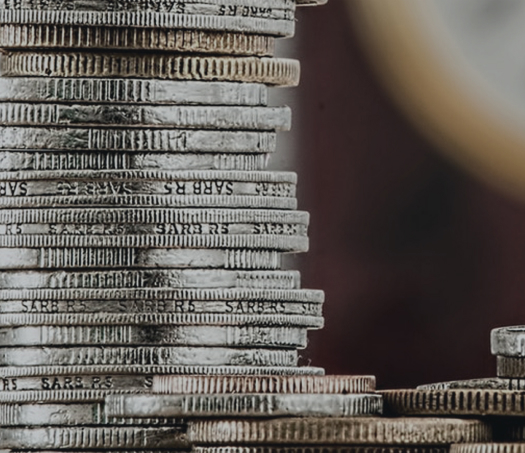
<point x="140" y="233"/>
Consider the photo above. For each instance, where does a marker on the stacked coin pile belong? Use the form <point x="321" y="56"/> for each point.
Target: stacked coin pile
<point x="140" y="233"/>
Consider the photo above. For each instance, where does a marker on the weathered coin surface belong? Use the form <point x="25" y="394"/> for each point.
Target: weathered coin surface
<point x="135" y="140"/>
<point x="319" y="449"/>
<point x="85" y="258"/>
<point x="178" y="335"/>
<point x="482" y="383"/>
<point x="510" y="367"/>
<point x="146" y="355"/>
<point x="155" y="319"/>
<point x="269" y="71"/>
<point x="159" y="306"/>
<point x="508" y="341"/>
<point x="488" y="448"/>
<point x="472" y="402"/>
<point x="263" y="384"/>
<point x="157" y="278"/>
<point x="42" y="36"/>
<point x="187" y="116"/>
<point x="243" y="405"/>
<point x="337" y="431"/>
<point x="133" y="294"/>
<point x="76" y="395"/>
<point x="70" y="377"/>
<point x="85" y="160"/>
<point x="82" y="437"/>
<point x="282" y="24"/>
<point x="131" y="91"/>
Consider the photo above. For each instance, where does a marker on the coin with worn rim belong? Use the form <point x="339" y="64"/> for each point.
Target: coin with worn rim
<point x="488" y="448"/>
<point x="263" y="384"/>
<point x="481" y="383"/>
<point x="510" y="367"/>
<point x="508" y="341"/>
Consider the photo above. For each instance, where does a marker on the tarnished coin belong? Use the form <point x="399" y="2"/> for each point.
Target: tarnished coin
<point x="511" y="367"/>
<point x="508" y="341"/>
<point x="184" y="117"/>
<point x="79" y="160"/>
<point x="70" y="377"/>
<point x="243" y="405"/>
<point x="155" y="319"/>
<point x="133" y="294"/>
<point x="269" y="71"/>
<point x="144" y="355"/>
<point x="337" y="431"/>
<point x="82" y="437"/>
<point x="482" y="383"/>
<point x="114" y="258"/>
<point x="473" y="402"/>
<point x="48" y="36"/>
<point x="135" y="140"/>
<point x="488" y="448"/>
<point x="157" y="278"/>
<point x="318" y="449"/>
<point x="159" y="306"/>
<point x="178" y="335"/>
<point x="263" y="384"/>
<point x="131" y="91"/>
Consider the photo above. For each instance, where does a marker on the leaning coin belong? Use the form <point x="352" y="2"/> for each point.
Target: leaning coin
<point x="132" y="91"/>
<point x="286" y="244"/>
<point x="63" y="160"/>
<point x="488" y="448"/>
<point x="115" y="437"/>
<point x="69" y="414"/>
<point x="263" y="384"/>
<point x="270" y="71"/>
<point x="164" y="335"/>
<point x="135" y="140"/>
<point x="155" y="319"/>
<point x="114" y="258"/>
<point x="510" y="367"/>
<point x="508" y="341"/>
<point x="69" y="377"/>
<point x="267" y="221"/>
<point x="243" y="405"/>
<point x="472" y="402"/>
<point x="337" y="431"/>
<point x="159" y="306"/>
<point x="281" y="24"/>
<point x="157" y="278"/>
<point x="187" y="116"/>
<point x="144" y="355"/>
<point x="48" y="36"/>
<point x="482" y="383"/>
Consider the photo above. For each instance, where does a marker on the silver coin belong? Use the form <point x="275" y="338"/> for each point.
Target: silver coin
<point x="160" y="335"/>
<point x="115" y="437"/>
<point x="191" y="117"/>
<point x="61" y="396"/>
<point x="146" y="355"/>
<point x="157" y="278"/>
<point x="482" y="383"/>
<point x="287" y="244"/>
<point x="243" y="405"/>
<point x="192" y="294"/>
<point x="135" y="140"/>
<point x="508" y="341"/>
<point x="268" y="221"/>
<point x="172" y="384"/>
<point x="69" y="414"/>
<point x="156" y="319"/>
<point x="510" y="367"/>
<point x="69" y="377"/>
<point x="213" y="21"/>
<point x="237" y="307"/>
<point x="62" y="160"/>
<point x="114" y="258"/>
<point x="132" y="91"/>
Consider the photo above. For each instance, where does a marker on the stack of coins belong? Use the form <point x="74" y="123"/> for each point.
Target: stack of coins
<point x="140" y="233"/>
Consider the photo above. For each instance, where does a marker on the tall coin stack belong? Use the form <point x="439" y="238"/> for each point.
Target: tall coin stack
<point x="140" y="233"/>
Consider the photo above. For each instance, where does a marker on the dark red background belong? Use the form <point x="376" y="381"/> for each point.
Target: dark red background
<point x="418" y="259"/>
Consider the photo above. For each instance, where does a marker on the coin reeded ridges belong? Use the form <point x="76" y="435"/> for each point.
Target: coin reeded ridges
<point x="488" y="448"/>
